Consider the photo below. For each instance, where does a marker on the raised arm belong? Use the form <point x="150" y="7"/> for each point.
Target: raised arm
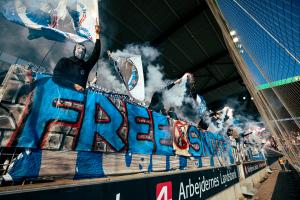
<point x="172" y="84"/>
<point x="97" y="49"/>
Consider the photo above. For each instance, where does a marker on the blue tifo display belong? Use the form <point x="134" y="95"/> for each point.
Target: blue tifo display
<point x="54" y="121"/>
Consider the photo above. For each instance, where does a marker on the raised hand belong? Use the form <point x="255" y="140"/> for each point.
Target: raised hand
<point x="109" y="53"/>
<point x="97" y="29"/>
<point x="78" y="88"/>
<point x="178" y="81"/>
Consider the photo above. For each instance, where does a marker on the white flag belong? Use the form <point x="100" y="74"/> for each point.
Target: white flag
<point x="131" y="71"/>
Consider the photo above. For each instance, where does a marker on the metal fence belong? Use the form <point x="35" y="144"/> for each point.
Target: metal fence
<point x="263" y="38"/>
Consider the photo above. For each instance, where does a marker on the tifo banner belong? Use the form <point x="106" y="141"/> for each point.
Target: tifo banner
<point x="130" y="70"/>
<point x="181" y="186"/>
<point x="251" y="168"/>
<point x="54" y="19"/>
<point x="38" y="113"/>
<point x="34" y="164"/>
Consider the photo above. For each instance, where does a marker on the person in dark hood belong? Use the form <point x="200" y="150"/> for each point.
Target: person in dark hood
<point x="73" y="72"/>
<point x="189" y="103"/>
<point x="190" y="86"/>
<point x="202" y="124"/>
<point x="172" y="114"/>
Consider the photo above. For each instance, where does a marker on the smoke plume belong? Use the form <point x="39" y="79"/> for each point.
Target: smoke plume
<point x="106" y="78"/>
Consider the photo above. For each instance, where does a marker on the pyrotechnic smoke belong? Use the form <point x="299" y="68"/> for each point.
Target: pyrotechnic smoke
<point x="154" y="77"/>
<point x="257" y="130"/>
<point x="149" y="54"/>
<point x="224" y="121"/>
<point x="246" y="125"/>
<point x="156" y="81"/>
<point x="247" y="135"/>
<point x="106" y="79"/>
<point x="175" y="96"/>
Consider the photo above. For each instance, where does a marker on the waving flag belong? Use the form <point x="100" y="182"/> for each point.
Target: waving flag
<point x="130" y="69"/>
<point x="201" y="105"/>
<point x="57" y="20"/>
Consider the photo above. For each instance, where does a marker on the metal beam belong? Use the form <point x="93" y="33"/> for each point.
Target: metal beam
<point x="175" y="27"/>
<point x="208" y="61"/>
<point x="223" y="63"/>
<point x="219" y="85"/>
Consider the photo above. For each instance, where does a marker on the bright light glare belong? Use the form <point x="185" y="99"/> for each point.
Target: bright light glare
<point x="233" y="32"/>
<point x="235" y="39"/>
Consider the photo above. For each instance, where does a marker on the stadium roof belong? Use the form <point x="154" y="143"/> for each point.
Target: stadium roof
<point x="186" y="34"/>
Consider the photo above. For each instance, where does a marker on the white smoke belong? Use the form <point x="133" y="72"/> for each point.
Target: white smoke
<point x="250" y="132"/>
<point x="154" y="76"/>
<point x="247" y="136"/>
<point x="175" y="96"/>
<point x="155" y="81"/>
<point x="149" y="54"/>
<point x="224" y="121"/>
<point x="258" y="134"/>
<point x="106" y="79"/>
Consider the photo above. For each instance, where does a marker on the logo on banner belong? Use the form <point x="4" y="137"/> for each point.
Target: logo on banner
<point x="180" y="135"/>
<point x="180" y="142"/>
<point x="164" y="191"/>
<point x="133" y="79"/>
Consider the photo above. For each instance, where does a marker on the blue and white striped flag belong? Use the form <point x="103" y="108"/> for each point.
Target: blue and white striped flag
<point x="57" y="20"/>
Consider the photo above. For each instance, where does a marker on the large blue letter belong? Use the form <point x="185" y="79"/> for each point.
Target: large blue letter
<point x="162" y="135"/>
<point x="140" y="139"/>
<point x="107" y="129"/>
<point x="44" y="110"/>
<point x="196" y="144"/>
